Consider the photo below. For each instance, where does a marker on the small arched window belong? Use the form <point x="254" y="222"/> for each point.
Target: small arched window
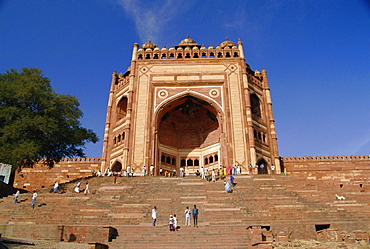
<point x="219" y="55"/>
<point x="211" y="159"/>
<point x="255" y="105"/>
<point x="183" y="162"/>
<point x="122" y="108"/>
<point x="196" y="162"/>
<point x="206" y="161"/>
<point x="168" y="160"/>
<point x="179" y="56"/>
<point x="216" y="158"/>
<point x="190" y="162"/>
<point x="147" y="56"/>
<point x="163" y="158"/>
<point x="173" y="161"/>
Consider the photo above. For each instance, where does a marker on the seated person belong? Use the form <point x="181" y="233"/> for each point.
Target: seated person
<point x="228" y="187"/>
<point x="197" y="173"/>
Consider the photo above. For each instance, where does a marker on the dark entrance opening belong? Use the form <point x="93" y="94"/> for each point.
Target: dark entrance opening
<point x="262" y="167"/>
<point x="117" y="167"/>
<point x="322" y="227"/>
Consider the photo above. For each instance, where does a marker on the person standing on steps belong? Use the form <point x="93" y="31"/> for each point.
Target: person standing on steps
<point x="15" y="198"/>
<point x="128" y="171"/>
<point x="195" y="215"/>
<point x="202" y="173"/>
<point x="151" y="169"/>
<point x="171" y="222"/>
<point x="34" y="196"/>
<point x="187" y="216"/>
<point x="87" y="191"/>
<point x="175" y="226"/>
<point x="154" y="215"/>
<point x="56" y="185"/>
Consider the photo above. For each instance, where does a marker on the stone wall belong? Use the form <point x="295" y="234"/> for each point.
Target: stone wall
<point x="349" y="172"/>
<point x="68" y="169"/>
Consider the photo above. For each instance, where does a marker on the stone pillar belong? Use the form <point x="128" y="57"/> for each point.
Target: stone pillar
<point x="240" y="46"/>
<point x="106" y="144"/>
<point x="271" y="125"/>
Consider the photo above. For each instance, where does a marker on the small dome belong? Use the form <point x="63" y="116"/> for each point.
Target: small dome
<point x="227" y="43"/>
<point x="195" y="48"/>
<point x="187" y="48"/>
<point x="164" y="48"/>
<point x="149" y="44"/>
<point x="187" y="41"/>
<point x="156" y="49"/>
<point x="210" y="47"/>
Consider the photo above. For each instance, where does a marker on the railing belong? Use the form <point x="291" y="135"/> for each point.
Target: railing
<point x="322" y="158"/>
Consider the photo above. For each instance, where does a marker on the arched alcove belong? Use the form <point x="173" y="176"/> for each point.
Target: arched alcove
<point x="117" y="167"/>
<point x="122" y="108"/>
<point x="187" y="129"/>
<point x="263" y="169"/>
<point x="255" y="105"/>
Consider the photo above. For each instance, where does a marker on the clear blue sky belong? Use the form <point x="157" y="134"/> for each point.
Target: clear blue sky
<point x="316" y="52"/>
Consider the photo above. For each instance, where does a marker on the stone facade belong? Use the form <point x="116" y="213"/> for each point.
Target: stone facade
<point x="189" y="106"/>
<point x="194" y="106"/>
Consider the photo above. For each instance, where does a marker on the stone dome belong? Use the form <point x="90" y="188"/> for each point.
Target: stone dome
<point x="149" y="44"/>
<point x="187" y="41"/>
<point x="227" y="43"/>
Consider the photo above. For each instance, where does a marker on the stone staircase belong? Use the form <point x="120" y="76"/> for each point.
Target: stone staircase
<point x="119" y="215"/>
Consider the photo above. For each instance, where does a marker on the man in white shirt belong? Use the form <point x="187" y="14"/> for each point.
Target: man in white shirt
<point x="151" y="170"/>
<point x="187" y="216"/>
<point x="154" y="215"/>
<point x="33" y="199"/>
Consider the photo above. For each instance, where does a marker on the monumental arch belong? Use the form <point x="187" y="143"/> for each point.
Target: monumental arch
<point x="190" y="106"/>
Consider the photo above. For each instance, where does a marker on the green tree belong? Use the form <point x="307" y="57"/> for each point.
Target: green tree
<point x="36" y="123"/>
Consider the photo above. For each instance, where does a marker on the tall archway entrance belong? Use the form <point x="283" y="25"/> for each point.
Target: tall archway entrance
<point x="188" y="135"/>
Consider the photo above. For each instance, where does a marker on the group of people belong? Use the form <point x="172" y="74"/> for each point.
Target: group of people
<point x="33" y="200"/>
<point x="218" y="173"/>
<point x="78" y="190"/>
<point x="173" y="221"/>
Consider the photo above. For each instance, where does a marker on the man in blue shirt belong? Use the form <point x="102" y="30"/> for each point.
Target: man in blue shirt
<point x="195" y="215"/>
